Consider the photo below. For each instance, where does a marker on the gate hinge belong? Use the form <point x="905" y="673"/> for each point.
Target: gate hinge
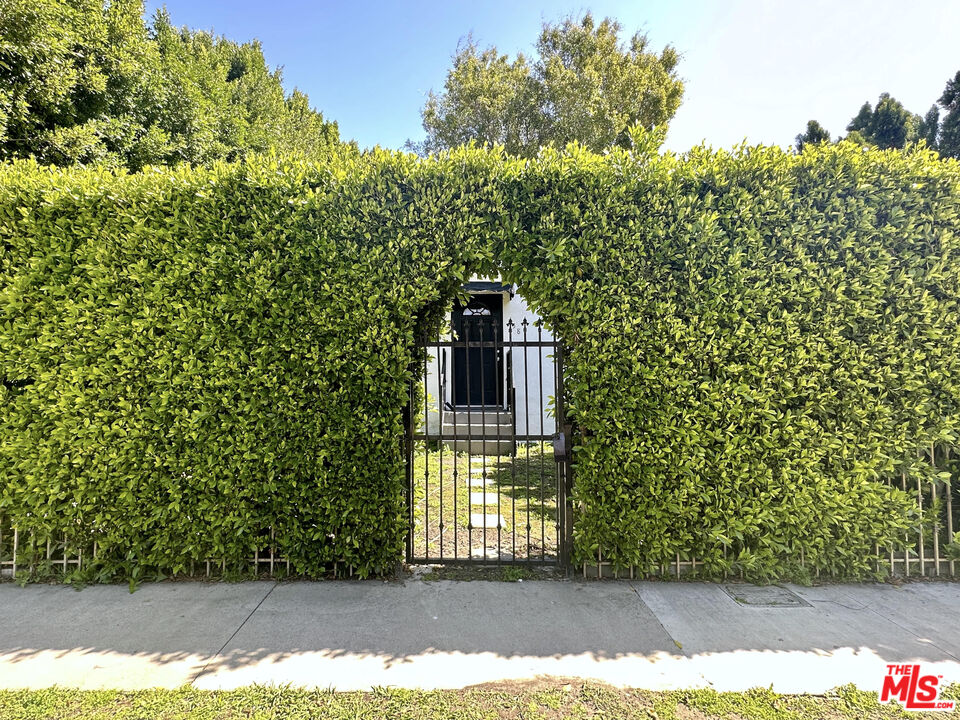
<point x="560" y="446"/>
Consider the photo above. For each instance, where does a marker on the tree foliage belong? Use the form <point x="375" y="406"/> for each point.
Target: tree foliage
<point x="584" y="85"/>
<point x="891" y="125"/>
<point x="950" y="128"/>
<point x="813" y="135"/>
<point x="888" y="125"/>
<point x="928" y="129"/>
<point x="89" y="82"/>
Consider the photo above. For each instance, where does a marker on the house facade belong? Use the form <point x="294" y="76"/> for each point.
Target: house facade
<point x="491" y="375"/>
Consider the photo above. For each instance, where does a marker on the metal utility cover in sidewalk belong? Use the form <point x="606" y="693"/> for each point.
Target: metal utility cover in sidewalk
<point x="764" y="596"/>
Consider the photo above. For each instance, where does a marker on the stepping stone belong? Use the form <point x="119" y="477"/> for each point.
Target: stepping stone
<point x="482" y="479"/>
<point x="491" y="553"/>
<point x="480" y="498"/>
<point x="477" y="486"/>
<point x="477" y="521"/>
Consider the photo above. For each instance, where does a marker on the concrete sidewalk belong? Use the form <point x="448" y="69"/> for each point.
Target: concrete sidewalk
<point x="445" y="634"/>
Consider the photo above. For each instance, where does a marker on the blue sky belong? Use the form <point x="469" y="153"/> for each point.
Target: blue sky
<point x="754" y="69"/>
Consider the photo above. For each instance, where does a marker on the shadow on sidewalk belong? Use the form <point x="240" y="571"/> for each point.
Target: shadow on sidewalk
<point x="352" y="635"/>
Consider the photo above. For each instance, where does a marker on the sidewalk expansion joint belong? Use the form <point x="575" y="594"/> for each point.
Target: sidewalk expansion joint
<point x="660" y="622"/>
<point x="914" y="634"/>
<point x="240" y="627"/>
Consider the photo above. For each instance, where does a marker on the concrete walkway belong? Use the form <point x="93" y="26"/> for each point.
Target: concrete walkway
<point x="444" y="634"/>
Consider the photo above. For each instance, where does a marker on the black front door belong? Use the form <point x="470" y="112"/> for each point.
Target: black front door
<point x="477" y="371"/>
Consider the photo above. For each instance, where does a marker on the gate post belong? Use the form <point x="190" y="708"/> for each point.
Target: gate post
<point x="567" y="499"/>
<point x="408" y="462"/>
<point x="563" y="454"/>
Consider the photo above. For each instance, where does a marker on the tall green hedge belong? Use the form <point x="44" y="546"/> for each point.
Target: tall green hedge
<point x="758" y="341"/>
<point x="192" y="359"/>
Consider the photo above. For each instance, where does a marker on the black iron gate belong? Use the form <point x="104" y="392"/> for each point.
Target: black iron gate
<point x="488" y="482"/>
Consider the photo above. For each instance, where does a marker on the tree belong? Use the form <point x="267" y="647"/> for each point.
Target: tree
<point x="814" y="134"/>
<point x="888" y="125"/>
<point x="585" y="85"/>
<point x="950" y="127"/>
<point x="83" y="81"/>
<point x="929" y="129"/>
<point x="861" y="122"/>
<point x="488" y="98"/>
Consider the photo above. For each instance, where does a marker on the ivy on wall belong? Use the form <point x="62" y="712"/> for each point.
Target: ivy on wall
<point x="193" y="358"/>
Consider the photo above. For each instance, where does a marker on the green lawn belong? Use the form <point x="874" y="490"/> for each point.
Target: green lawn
<point x="549" y="700"/>
<point x="521" y="489"/>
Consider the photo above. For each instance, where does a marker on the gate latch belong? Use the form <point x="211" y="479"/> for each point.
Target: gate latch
<point x="560" y="447"/>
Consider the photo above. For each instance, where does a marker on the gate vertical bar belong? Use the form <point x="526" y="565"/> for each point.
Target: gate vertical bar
<point x="543" y="519"/>
<point x="483" y="441"/>
<point x="466" y="364"/>
<point x="512" y="406"/>
<point x="559" y="462"/>
<point x="426" y="448"/>
<point x="456" y="457"/>
<point x="565" y="534"/>
<point x="526" y="417"/>
<point x="409" y="455"/>
<point x="442" y="367"/>
<point x="497" y="332"/>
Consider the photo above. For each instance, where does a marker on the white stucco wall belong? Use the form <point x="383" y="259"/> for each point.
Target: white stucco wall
<point x="534" y="401"/>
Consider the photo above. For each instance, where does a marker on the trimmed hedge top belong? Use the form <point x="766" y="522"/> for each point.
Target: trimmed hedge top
<point x="193" y="359"/>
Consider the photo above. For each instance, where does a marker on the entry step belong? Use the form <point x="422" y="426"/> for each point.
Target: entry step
<point x="478" y="417"/>
<point x="476" y="431"/>
<point x="477" y="446"/>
